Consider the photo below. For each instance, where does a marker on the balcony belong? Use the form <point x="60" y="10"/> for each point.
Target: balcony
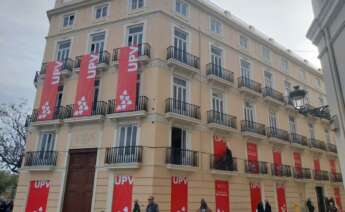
<point x="40" y="160"/>
<point x="256" y="167"/>
<point x="36" y="79"/>
<point x="58" y="115"/>
<point x="99" y="110"/>
<point x="102" y="63"/>
<point x="289" y="104"/>
<point x="223" y="165"/>
<point x="140" y="110"/>
<point x="298" y="141"/>
<point x="320" y="175"/>
<point x="301" y="174"/>
<point x="249" y="87"/>
<point x="182" y="111"/>
<point x="281" y="170"/>
<point x="182" y="159"/>
<point x="332" y="148"/>
<point x="253" y="130"/>
<point x="218" y="74"/>
<point x="66" y="68"/>
<point x="144" y="53"/>
<point x="276" y="135"/>
<point x="221" y="121"/>
<point x="183" y="60"/>
<point x="336" y="177"/>
<point x="317" y="145"/>
<point x="272" y="96"/>
<point x="123" y="157"/>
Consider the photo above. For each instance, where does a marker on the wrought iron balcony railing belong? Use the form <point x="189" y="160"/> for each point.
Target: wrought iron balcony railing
<point x="40" y="158"/>
<point x="321" y="175"/>
<point x="182" y="157"/>
<point x="183" y="57"/>
<point x="103" y="58"/>
<point x="141" y="104"/>
<point x="278" y="133"/>
<point x="270" y="92"/>
<point x="336" y="177"/>
<point x="144" y="50"/>
<point x="58" y="113"/>
<point x="281" y="170"/>
<point x="214" y="117"/>
<point x="182" y="108"/>
<point x="219" y="71"/>
<point x="223" y="163"/>
<point x="332" y="148"/>
<point x="98" y="108"/>
<point x="298" y="139"/>
<point x="253" y="127"/>
<point x="301" y="173"/>
<point x="318" y="144"/>
<point x="123" y="155"/>
<point x="244" y="82"/>
<point x="256" y="167"/>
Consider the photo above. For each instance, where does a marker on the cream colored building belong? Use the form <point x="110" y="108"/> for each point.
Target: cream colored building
<point x="249" y="78"/>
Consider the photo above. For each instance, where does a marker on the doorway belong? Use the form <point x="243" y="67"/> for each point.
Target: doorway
<point x="320" y="198"/>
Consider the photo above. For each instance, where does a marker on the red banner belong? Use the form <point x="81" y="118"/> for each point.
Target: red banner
<point x="49" y="91"/>
<point x="255" y="195"/>
<point x="122" y="194"/>
<point x="222" y="196"/>
<point x="38" y="196"/>
<point x="127" y="79"/>
<point x="297" y="159"/>
<point x="219" y="146"/>
<point x="317" y="165"/>
<point x="281" y="198"/>
<point x="252" y="152"/>
<point x="179" y="194"/>
<point x="333" y="166"/>
<point x="338" y="199"/>
<point x="85" y="90"/>
<point x="277" y="161"/>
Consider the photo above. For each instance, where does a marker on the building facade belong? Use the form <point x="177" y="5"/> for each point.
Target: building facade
<point x="328" y="33"/>
<point x="211" y="117"/>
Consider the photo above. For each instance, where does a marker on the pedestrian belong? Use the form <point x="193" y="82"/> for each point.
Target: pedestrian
<point x="332" y="206"/>
<point x="203" y="206"/>
<point x="3" y="205"/>
<point x="264" y="206"/>
<point x="136" y="207"/>
<point x="152" y="206"/>
<point x="310" y="205"/>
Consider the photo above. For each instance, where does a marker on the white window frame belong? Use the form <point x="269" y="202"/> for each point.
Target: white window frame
<point x="266" y="53"/>
<point x="187" y="86"/>
<point x="311" y="129"/>
<point x="244" y="45"/>
<point x="126" y="125"/>
<point x="183" y="2"/>
<point x="254" y="110"/>
<point x="57" y="46"/>
<point x="271" y="112"/>
<point x="188" y="135"/>
<point x="88" y="47"/>
<point x="294" y="123"/>
<point x="189" y="41"/>
<point x="69" y="26"/>
<point x="272" y="78"/>
<point x="250" y="67"/>
<point x="218" y="24"/>
<point x="39" y="144"/>
<point x="134" y="25"/>
<point x="217" y="47"/>
<point x="285" y="65"/>
<point x="130" y="5"/>
<point x="224" y="99"/>
<point x="95" y="8"/>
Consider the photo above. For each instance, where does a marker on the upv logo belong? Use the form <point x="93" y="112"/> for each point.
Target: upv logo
<point x="39" y="210"/>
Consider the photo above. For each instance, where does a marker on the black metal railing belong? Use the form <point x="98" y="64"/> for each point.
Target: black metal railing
<point x="123" y="155"/>
<point x="144" y="50"/>
<point x="58" y="113"/>
<point x="36" y="78"/>
<point x="223" y="163"/>
<point x="214" y="117"/>
<point x="281" y="170"/>
<point x="318" y="144"/>
<point x="270" y="92"/>
<point x="40" y="158"/>
<point x="332" y="148"/>
<point x="301" y="173"/>
<point x="336" y="177"/>
<point x="98" y="108"/>
<point x="321" y="175"/>
<point x="250" y="126"/>
<point x="67" y="64"/>
<point x="298" y="139"/>
<point x="278" y="133"/>
<point x="182" y="157"/>
<point x="244" y="82"/>
<point x="43" y="68"/>
<point x="183" y="57"/>
<point x="141" y="104"/>
<point x="103" y="58"/>
<point x="182" y="108"/>
<point x="219" y="71"/>
<point x="255" y="167"/>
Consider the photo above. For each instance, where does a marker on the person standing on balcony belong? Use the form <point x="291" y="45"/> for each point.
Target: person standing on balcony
<point x="152" y="206"/>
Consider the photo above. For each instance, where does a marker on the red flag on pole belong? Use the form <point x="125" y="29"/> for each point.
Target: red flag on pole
<point x="122" y="194"/>
<point x="179" y="194"/>
<point x="222" y="196"/>
<point x="38" y="196"/>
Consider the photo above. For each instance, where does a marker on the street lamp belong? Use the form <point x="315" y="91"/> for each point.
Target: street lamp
<point x="297" y="96"/>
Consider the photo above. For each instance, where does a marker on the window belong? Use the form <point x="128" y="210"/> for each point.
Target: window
<point x="59" y="96"/>
<point x="287" y="86"/>
<point x="217" y="102"/>
<point x="135" y="35"/>
<point x="268" y="79"/>
<point x="136" y="4"/>
<point x="272" y="118"/>
<point x="63" y="49"/>
<point x="285" y="65"/>
<point x="68" y="20"/>
<point x="245" y="69"/>
<point x="101" y="11"/>
<point x="266" y="54"/>
<point x="302" y="75"/>
<point x="96" y="92"/>
<point x="243" y="42"/>
<point x="249" y="114"/>
<point x="215" y="25"/>
<point x="216" y="57"/>
<point x="180" y="89"/>
<point x="178" y="139"/>
<point x="127" y="136"/>
<point x="180" y="44"/>
<point x="311" y="131"/>
<point x="292" y="125"/>
<point x="47" y="140"/>
<point x="182" y="8"/>
<point x="97" y="43"/>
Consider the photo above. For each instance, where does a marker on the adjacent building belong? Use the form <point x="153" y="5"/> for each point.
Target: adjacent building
<point x="188" y="102"/>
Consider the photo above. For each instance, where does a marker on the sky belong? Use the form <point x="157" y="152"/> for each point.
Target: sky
<point x="24" y="25"/>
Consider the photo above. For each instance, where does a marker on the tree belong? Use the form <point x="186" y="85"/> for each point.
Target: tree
<point x="8" y="183"/>
<point x="12" y="135"/>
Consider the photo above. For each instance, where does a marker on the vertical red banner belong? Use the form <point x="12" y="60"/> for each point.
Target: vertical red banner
<point x="338" y="199"/>
<point x="298" y="163"/>
<point x="317" y="165"/>
<point x="219" y="146"/>
<point x="277" y="161"/>
<point x="122" y="194"/>
<point x="49" y="91"/>
<point x="281" y="198"/>
<point x="255" y="195"/>
<point x="86" y="83"/>
<point x="252" y="154"/>
<point x="127" y="80"/>
<point x="222" y="196"/>
<point x="38" y="196"/>
<point x="179" y="194"/>
<point x="333" y="166"/>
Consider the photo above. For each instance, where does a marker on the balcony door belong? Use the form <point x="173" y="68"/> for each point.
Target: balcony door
<point x="179" y="94"/>
<point x="135" y="35"/>
<point x="272" y="119"/>
<point x="178" y="145"/>
<point x="249" y="114"/>
<point x="63" y="49"/>
<point x="292" y="125"/>
<point x="97" y="43"/>
<point x="268" y="79"/>
<point x="218" y="105"/>
<point x="46" y="145"/>
<point x="245" y="72"/>
<point x="127" y="140"/>
<point x="180" y="44"/>
<point x="216" y="60"/>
